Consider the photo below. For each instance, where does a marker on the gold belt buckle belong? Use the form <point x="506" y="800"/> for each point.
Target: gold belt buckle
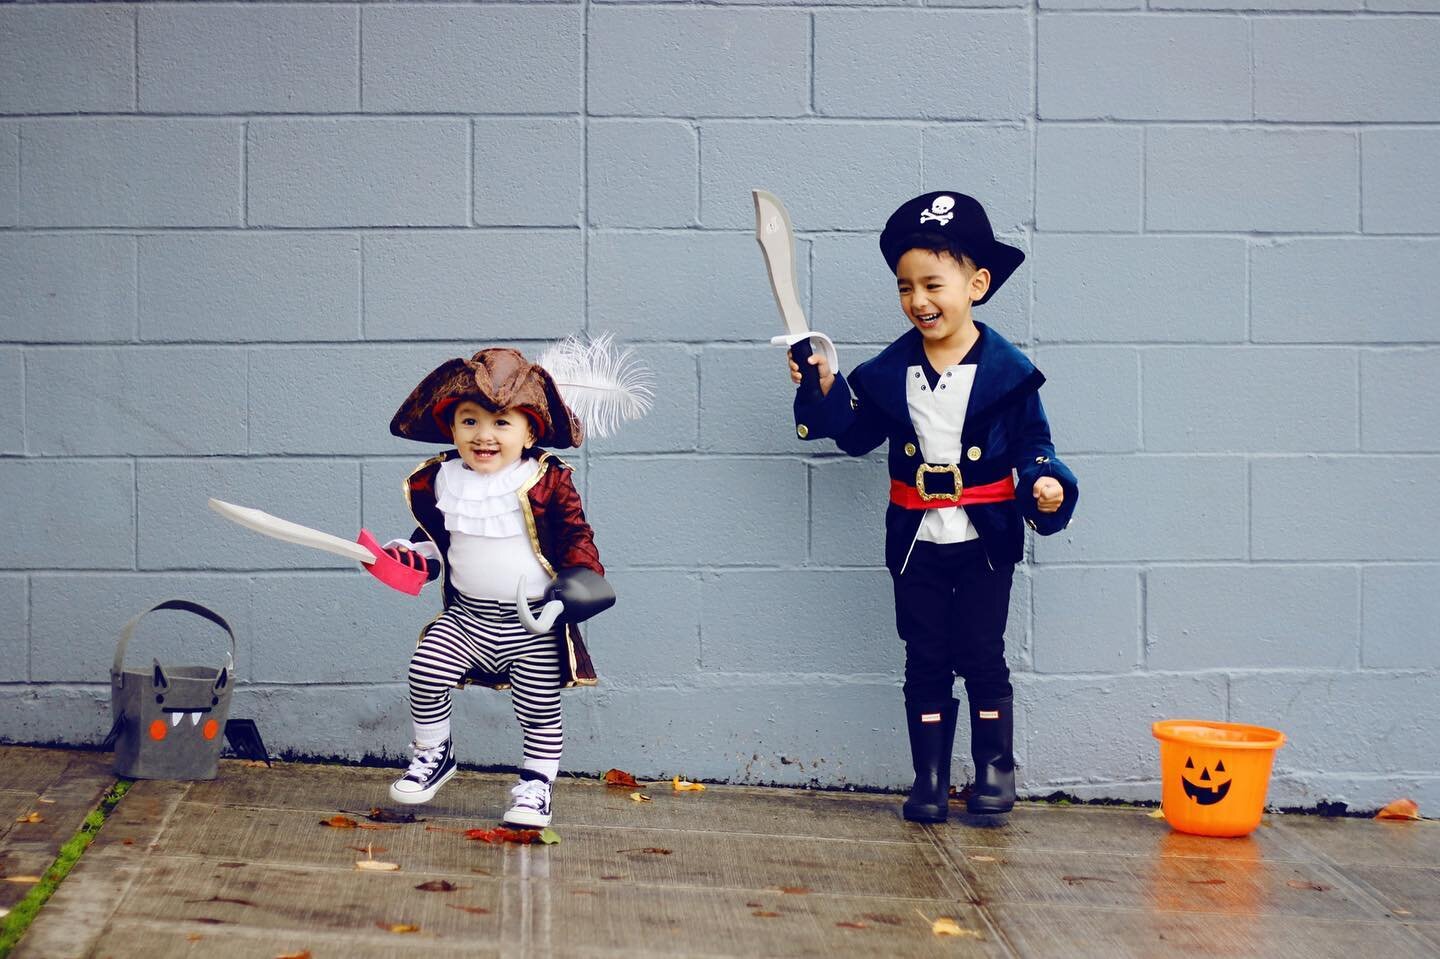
<point x="950" y="468"/>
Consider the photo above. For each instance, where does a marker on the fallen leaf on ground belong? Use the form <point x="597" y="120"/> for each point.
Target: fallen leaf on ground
<point x="31" y="817"/>
<point x="549" y="836"/>
<point x="652" y="850"/>
<point x="852" y="925"/>
<point x="945" y="926"/>
<point x="398" y="927"/>
<point x="377" y="814"/>
<point x="764" y="914"/>
<point x="345" y="822"/>
<point x="619" y="777"/>
<point x="375" y="865"/>
<point x="476" y="910"/>
<point x="1157" y="814"/>
<point x="685" y="786"/>
<point x="302" y="954"/>
<point x="1403" y="809"/>
<point x="1307" y="884"/>
<point x="194" y="937"/>
<point x="437" y="885"/>
<point x="23" y="880"/>
<point x="499" y="834"/>
<point x="1077" y="880"/>
<point x="639" y="797"/>
<point x="795" y="890"/>
<point x="884" y="918"/>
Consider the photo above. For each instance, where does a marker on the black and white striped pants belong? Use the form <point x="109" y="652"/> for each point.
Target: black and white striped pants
<point x="488" y="634"/>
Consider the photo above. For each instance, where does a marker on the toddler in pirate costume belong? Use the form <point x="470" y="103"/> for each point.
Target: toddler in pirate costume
<point x="960" y="407"/>
<point x="501" y="525"/>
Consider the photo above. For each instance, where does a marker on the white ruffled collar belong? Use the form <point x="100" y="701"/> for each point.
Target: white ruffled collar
<point x="483" y="504"/>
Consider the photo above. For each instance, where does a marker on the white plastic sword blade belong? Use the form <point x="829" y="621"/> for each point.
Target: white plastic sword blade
<point x="282" y="529"/>
<point x="777" y="241"/>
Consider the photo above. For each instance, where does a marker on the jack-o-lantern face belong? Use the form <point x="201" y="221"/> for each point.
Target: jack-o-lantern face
<point x="1207" y="789"/>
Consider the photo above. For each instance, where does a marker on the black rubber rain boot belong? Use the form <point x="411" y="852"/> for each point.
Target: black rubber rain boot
<point x="932" y="737"/>
<point x="992" y="746"/>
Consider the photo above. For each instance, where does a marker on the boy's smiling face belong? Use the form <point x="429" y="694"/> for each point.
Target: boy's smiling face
<point x="937" y="292"/>
<point x="489" y="442"/>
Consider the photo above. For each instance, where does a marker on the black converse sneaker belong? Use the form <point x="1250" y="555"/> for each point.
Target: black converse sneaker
<point x="430" y="768"/>
<point x="531" y="806"/>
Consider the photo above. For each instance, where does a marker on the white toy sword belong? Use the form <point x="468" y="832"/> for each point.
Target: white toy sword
<point x="282" y="529"/>
<point x="777" y="242"/>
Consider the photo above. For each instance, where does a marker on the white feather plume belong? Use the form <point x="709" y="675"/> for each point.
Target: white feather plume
<point x="602" y="384"/>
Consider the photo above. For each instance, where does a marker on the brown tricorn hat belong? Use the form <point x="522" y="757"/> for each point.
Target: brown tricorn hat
<point x="497" y="379"/>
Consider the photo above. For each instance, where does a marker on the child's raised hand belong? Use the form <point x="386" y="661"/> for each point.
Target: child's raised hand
<point x="1048" y="492"/>
<point x="817" y="359"/>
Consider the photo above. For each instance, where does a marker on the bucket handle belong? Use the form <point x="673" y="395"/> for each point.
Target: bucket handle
<point x="182" y="604"/>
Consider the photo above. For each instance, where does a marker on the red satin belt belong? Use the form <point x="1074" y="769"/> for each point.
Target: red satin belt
<point x="907" y="496"/>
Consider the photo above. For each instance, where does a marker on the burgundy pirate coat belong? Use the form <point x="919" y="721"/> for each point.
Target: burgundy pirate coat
<point x="559" y="534"/>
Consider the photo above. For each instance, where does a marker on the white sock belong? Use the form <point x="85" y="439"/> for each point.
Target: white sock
<point x="431" y="734"/>
<point x="549" y="768"/>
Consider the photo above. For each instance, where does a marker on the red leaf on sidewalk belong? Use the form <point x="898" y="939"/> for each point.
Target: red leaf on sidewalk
<point x="619" y="777"/>
<point x="1400" y="809"/>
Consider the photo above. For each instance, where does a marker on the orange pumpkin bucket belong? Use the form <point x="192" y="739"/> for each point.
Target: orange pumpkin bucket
<point x="1213" y="776"/>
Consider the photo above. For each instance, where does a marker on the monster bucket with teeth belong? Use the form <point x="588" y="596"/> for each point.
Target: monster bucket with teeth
<point x="169" y="720"/>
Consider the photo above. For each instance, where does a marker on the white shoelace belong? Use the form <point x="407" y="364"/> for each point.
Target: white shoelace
<point x="426" y="758"/>
<point x="531" y="793"/>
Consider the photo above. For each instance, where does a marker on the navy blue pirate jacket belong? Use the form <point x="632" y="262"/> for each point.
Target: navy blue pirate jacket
<point x="1005" y="428"/>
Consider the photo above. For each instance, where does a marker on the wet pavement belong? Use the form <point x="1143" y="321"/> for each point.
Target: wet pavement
<point x="242" y="866"/>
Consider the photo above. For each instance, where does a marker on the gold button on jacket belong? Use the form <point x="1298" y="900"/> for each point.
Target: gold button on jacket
<point x="802" y="431"/>
<point x="973" y="453"/>
<point x="909" y="449"/>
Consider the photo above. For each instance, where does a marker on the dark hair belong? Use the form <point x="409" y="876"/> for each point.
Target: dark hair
<point x="938" y="244"/>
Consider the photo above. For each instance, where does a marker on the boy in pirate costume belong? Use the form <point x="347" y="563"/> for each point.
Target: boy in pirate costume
<point x="501" y="525"/>
<point x="960" y="407"/>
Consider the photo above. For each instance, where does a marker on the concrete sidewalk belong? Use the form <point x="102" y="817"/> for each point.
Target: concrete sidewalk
<point x="243" y="867"/>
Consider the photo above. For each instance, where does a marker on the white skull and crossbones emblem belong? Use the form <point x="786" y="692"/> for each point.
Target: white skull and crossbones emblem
<point x="941" y="210"/>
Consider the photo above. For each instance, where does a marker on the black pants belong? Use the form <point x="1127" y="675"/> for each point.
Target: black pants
<point x="950" y="609"/>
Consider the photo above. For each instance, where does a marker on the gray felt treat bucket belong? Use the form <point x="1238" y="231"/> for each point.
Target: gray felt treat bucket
<point x="170" y="720"/>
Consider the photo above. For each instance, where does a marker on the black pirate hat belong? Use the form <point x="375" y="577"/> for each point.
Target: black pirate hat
<point x="959" y="223"/>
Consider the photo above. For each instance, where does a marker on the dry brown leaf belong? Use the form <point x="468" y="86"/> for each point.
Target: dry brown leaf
<point x="340" y="822"/>
<point x="765" y="914"/>
<point x="685" y="786"/>
<point x="31" y="817"/>
<point x="476" y="910"/>
<point x="22" y="880"/>
<point x="500" y="834"/>
<point x="302" y="954"/>
<point x="1307" y="884"/>
<point x="619" y="777"/>
<point x="194" y="937"/>
<point x="375" y="865"/>
<point x="398" y="926"/>
<point x="437" y="885"/>
<point x="852" y="925"/>
<point x="378" y="814"/>
<point x="1400" y="809"/>
<point x="639" y="797"/>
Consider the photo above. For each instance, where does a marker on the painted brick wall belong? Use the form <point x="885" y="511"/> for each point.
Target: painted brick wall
<point x="233" y="236"/>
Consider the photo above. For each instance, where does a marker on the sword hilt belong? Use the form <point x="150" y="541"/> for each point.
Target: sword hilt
<point x="809" y="389"/>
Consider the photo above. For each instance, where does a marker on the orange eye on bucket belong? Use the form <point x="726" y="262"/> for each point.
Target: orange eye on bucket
<point x="158" y="729"/>
<point x="210" y="728"/>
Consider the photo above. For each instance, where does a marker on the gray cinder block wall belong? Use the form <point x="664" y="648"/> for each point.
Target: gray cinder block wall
<point x="233" y="236"/>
